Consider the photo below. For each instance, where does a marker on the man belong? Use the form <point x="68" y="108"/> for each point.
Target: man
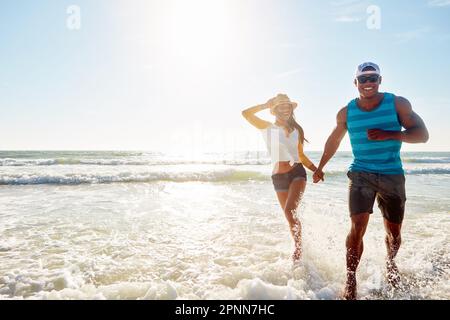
<point x="374" y="122"/>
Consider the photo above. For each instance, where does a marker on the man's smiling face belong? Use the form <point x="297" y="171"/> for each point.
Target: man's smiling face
<point x="368" y="84"/>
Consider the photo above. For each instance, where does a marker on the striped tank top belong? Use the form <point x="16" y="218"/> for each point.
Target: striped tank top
<point x="374" y="156"/>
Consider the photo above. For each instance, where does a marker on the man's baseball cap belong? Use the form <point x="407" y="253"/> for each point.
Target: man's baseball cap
<point x="375" y="69"/>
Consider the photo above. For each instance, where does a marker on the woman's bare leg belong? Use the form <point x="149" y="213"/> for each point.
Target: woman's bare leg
<point x="282" y="198"/>
<point x="295" y="193"/>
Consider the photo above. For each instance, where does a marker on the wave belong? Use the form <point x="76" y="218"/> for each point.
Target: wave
<point x="153" y="160"/>
<point x="127" y="162"/>
<point x="77" y="179"/>
<point x="416" y="171"/>
<point x="427" y="160"/>
<point x="428" y="171"/>
<point x="229" y="175"/>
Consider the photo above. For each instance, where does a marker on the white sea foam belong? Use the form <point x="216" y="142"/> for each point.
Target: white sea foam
<point x="128" y="162"/>
<point x="157" y="238"/>
<point x="75" y="175"/>
<point x="130" y="177"/>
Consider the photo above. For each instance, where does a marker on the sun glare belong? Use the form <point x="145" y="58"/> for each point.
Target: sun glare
<point x="195" y="32"/>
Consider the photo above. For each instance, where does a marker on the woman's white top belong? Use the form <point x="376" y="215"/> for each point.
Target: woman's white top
<point x="280" y="147"/>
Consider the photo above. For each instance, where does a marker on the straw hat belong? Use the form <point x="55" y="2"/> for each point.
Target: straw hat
<point x="282" y="99"/>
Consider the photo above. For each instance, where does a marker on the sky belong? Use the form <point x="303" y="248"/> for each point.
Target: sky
<point x="173" y="75"/>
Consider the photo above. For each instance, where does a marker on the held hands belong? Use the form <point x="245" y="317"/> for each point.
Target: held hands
<point x="381" y="135"/>
<point x="318" y="176"/>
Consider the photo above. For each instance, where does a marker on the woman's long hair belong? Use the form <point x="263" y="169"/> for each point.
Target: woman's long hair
<point x="293" y="124"/>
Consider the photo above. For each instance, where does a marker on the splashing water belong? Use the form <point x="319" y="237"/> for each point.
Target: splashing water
<point x="218" y="238"/>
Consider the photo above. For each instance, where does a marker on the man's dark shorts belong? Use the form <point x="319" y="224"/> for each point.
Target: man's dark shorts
<point x="389" y="190"/>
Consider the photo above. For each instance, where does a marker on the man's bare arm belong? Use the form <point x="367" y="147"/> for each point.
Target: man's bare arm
<point x="416" y="131"/>
<point x="334" y="140"/>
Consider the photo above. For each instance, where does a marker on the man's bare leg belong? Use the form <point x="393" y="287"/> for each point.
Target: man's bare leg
<point x="393" y="241"/>
<point x="355" y="248"/>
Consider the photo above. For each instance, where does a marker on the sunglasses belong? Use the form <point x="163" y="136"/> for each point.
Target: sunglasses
<point x="372" y="78"/>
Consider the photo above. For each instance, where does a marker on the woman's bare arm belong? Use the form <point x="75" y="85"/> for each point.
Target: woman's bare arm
<point x="250" y="115"/>
<point x="304" y="159"/>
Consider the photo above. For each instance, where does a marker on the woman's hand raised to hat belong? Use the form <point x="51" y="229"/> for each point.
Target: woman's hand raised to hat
<point x="270" y="103"/>
<point x="273" y="100"/>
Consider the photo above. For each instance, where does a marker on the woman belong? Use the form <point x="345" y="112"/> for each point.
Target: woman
<point x="284" y="140"/>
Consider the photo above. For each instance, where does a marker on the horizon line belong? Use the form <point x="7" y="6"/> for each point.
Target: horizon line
<point x="162" y="151"/>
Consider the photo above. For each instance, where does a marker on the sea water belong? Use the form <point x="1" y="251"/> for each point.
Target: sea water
<point x="148" y="225"/>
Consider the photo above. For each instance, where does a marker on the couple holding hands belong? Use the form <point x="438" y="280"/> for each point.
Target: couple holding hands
<point x="375" y="123"/>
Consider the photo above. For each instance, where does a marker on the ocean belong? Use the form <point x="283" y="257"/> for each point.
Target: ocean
<point x="149" y="225"/>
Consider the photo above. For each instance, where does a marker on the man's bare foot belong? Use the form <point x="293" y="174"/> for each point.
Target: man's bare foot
<point x="350" y="287"/>
<point x="392" y="275"/>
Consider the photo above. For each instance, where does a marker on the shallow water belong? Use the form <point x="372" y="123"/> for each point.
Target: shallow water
<point x="204" y="231"/>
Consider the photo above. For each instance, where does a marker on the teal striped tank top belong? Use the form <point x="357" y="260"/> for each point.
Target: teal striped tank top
<point x="374" y="156"/>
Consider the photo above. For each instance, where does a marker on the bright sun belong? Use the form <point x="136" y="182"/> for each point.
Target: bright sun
<point x="196" y="31"/>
